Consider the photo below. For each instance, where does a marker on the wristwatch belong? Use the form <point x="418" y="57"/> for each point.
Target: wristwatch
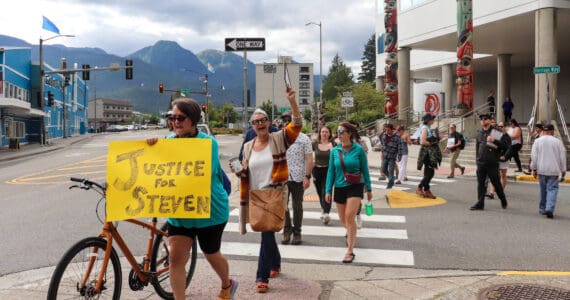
<point x="308" y="176"/>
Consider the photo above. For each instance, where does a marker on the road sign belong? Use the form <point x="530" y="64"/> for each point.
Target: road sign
<point x="347" y="102"/>
<point x="547" y="69"/>
<point x="242" y="44"/>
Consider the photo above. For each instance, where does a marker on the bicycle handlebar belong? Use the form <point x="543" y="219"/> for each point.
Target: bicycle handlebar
<point x="87" y="184"/>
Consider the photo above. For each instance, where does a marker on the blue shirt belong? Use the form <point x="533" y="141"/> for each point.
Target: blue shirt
<point x="355" y="161"/>
<point x="220" y="206"/>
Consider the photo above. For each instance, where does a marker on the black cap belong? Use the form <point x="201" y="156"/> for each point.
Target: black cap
<point x="539" y="126"/>
<point x="548" y="127"/>
<point x="428" y="118"/>
<point x="485" y="116"/>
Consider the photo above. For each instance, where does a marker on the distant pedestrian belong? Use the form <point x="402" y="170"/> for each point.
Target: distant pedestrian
<point x="491" y="102"/>
<point x="548" y="159"/>
<point x="391" y="153"/>
<point x="403" y="164"/>
<point x="488" y="148"/>
<point x="322" y="149"/>
<point x="515" y="132"/>
<point x="454" y="142"/>
<point x="429" y="157"/>
<point x="508" y="106"/>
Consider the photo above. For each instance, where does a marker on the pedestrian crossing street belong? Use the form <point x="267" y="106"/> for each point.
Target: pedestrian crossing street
<point x="411" y="183"/>
<point x="365" y="255"/>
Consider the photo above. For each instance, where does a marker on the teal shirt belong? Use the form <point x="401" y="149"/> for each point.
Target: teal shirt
<point x="355" y="161"/>
<point x="220" y="206"/>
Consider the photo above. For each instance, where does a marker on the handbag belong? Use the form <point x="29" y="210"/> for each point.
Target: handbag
<point x="266" y="210"/>
<point x="350" y="178"/>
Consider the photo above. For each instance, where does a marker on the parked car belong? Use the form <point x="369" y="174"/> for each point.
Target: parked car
<point x="116" y="128"/>
<point x="203" y="127"/>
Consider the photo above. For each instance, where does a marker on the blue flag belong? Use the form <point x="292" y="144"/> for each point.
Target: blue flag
<point x="49" y="25"/>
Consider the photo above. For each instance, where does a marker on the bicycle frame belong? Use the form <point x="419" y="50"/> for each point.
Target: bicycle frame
<point x="111" y="233"/>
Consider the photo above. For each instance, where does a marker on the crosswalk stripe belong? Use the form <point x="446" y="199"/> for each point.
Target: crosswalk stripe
<point x="334" y="216"/>
<point x="398" y="234"/>
<point x="373" y="256"/>
<point x="435" y="179"/>
<point x="383" y="187"/>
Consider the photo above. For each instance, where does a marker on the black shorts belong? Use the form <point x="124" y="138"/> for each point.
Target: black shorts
<point x="209" y="238"/>
<point x="343" y="193"/>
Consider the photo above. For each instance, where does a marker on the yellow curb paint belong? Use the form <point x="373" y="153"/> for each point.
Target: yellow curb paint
<point x="401" y="199"/>
<point x="531" y="178"/>
<point x="534" y="273"/>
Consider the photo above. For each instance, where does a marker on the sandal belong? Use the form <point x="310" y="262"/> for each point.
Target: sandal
<point x="262" y="287"/>
<point x="274" y="273"/>
<point x="348" y="258"/>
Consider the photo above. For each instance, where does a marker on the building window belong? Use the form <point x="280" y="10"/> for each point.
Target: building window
<point x="304" y="77"/>
<point x="304" y="93"/>
<point x="304" y="101"/>
<point x="304" y="85"/>
<point x="304" y="70"/>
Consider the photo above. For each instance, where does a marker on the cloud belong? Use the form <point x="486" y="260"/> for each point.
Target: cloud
<point x="123" y="27"/>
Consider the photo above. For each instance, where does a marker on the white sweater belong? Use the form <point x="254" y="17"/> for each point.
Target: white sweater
<point x="548" y="156"/>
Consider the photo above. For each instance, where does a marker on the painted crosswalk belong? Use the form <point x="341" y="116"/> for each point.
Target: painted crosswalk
<point x="412" y="182"/>
<point x="332" y="254"/>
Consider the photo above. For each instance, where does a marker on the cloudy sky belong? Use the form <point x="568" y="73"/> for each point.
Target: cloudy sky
<point x="122" y="27"/>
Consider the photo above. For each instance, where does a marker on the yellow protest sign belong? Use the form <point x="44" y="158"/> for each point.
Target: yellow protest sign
<point x="171" y="178"/>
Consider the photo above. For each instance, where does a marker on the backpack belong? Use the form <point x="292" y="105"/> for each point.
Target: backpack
<point x="463" y="141"/>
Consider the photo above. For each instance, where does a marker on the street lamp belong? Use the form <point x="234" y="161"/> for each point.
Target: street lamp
<point x="205" y="92"/>
<point x="320" y="69"/>
<point x="42" y="79"/>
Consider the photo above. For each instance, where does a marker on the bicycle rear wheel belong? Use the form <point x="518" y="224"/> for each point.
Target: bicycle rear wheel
<point x="159" y="260"/>
<point x="68" y="275"/>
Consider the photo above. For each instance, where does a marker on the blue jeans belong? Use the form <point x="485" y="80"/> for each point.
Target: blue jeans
<point x="388" y="169"/>
<point x="269" y="257"/>
<point x="548" y="192"/>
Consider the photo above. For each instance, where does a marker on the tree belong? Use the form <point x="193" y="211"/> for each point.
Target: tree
<point x="339" y="79"/>
<point x="368" y="73"/>
<point x="266" y="106"/>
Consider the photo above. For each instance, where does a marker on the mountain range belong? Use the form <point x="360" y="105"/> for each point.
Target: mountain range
<point x="164" y="62"/>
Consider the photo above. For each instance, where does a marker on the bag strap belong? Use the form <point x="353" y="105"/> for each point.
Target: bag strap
<point x="342" y="162"/>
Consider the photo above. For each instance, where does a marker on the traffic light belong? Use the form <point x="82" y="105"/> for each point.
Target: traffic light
<point x="50" y="99"/>
<point x="85" y="74"/>
<point x="129" y="69"/>
<point x="65" y="74"/>
<point x="204" y="107"/>
<point x="161" y="88"/>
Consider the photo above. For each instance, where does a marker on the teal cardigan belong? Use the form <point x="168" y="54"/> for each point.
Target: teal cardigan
<point x="355" y="161"/>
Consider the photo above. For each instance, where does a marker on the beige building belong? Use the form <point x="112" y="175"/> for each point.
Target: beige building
<point x="270" y="83"/>
<point x="104" y="112"/>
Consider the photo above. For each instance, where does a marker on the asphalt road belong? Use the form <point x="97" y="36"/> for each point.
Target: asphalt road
<point x="42" y="218"/>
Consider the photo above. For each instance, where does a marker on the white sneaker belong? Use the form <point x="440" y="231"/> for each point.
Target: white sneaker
<point x="326" y="219"/>
<point x="358" y="221"/>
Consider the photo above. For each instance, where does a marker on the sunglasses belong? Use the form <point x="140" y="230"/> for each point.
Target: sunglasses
<point x="340" y="131"/>
<point x="259" y="121"/>
<point x="177" y="118"/>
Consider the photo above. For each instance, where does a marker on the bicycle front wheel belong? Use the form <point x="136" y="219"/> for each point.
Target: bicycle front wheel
<point x="85" y="260"/>
<point x="159" y="261"/>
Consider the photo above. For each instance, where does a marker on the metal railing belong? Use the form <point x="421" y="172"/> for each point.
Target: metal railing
<point x="562" y="120"/>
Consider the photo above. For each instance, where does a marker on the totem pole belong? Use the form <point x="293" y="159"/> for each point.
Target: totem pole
<point x="391" y="50"/>
<point x="464" y="68"/>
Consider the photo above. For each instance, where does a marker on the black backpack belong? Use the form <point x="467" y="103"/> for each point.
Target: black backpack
<point x="462" y="139"/>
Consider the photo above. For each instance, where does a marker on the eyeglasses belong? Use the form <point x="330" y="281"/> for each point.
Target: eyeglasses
<point x="259" y="121"/>
<point x="340" y="131"/>
<point x="177" y="118"/>
<point x="485" y="119"/>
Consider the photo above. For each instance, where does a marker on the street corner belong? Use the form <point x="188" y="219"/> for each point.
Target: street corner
<point x="401" y="199"/>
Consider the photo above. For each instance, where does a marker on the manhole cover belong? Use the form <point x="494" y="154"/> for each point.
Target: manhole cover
<point x="523" y="292"/>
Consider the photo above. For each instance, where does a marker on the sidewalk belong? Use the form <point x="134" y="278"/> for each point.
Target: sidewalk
<point x="323" y="280"/>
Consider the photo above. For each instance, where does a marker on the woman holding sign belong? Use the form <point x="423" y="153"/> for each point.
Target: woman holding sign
<point x="182" y="232"/>
<point x="264" y="167"/>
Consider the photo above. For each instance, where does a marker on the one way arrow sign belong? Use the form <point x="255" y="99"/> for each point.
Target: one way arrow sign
<point x="245" y="44"/>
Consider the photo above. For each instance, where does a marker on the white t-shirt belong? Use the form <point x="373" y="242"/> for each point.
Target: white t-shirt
<point x="296" y="157"/>
<point x="260" y="168"/>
